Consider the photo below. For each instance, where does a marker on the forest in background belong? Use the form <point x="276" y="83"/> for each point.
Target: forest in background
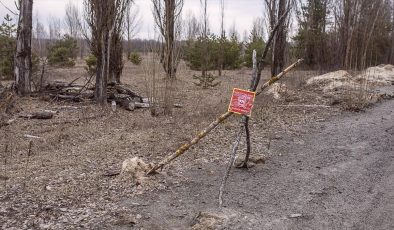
<point x="327" y="34"/>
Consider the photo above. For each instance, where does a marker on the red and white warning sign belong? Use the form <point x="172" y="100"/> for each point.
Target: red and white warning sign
<point x="242" y="102"/>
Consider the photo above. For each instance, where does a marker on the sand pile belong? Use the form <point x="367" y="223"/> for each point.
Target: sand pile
<point x="334" y="81"/>
<point x="378" y="75"/>
<point x="341" y="80"/>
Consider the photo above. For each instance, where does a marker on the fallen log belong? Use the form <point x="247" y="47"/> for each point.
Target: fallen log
<point x="37" y="115"/>
<point x="141" y="105"/>
<point x="123" y="90"/>
<point x="132" y="105"/>
<point x="66" y="97"/>
<point x="128" y="105"/>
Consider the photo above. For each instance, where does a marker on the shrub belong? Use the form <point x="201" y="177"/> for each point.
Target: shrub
<point x="91" y="62"/>
<point x="135" y="58"/>
<point x="35" y="62"/>
<point x="63" y="52"/>
<point x="229" y="48"/>
<point x="256" y="43"/>
<point x="7" y="47"/>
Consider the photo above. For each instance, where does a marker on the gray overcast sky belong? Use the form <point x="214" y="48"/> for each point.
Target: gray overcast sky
<point x="238" y="12"/>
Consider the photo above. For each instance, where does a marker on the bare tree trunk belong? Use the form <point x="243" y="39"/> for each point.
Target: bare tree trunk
<point x="23" y="48"/>
<point x="104" y="18"/>
<point x="166" y="14"/>
<point x="204" y="68"/>
<point x="345" y="32"/>
<point x="369" y="36"/>
<point x="278" y="61"/>
<point x="222" y="39"/>
<point x="391" y="57"/>
<point x="170" y="37"/>
<point x="101" y="77"/>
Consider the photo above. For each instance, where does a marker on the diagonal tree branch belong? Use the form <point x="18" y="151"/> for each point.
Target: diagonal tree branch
<point x="7" y="8"/>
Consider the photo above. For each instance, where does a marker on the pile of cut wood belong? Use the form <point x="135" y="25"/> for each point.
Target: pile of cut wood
<point x="121" y="94"/>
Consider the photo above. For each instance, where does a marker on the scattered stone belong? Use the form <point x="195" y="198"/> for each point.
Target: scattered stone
<point x="205" y="220"/>
<point x="136" y="168"/>
<point x="296" y="215"/>
<point x="258" y="159"/>
<point x="276" y="90"/>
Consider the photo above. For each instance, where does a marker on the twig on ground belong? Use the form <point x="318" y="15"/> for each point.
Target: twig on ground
<point x="27" y="162"/>
<point x="230" y="163"/>
<point x="38" y="115"/>
<point x="5" y="166"/>
<point x="83" y="87"/>
<point x="31" y="136"/>
<point x="307" y="106"/>
<point x="71" y="83"/>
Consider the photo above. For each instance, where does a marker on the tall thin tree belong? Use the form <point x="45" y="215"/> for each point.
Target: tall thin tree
<point x="102" y="16"/>
<point x="23" y="64"/>
<point x="222" y="38"/>
<point x="167" y="14"/>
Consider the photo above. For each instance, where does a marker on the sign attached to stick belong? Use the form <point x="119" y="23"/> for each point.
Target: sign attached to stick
<point x="242" y="102"/>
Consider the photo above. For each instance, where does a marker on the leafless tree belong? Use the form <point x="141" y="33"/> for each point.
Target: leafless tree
<point x="204" y="67"/>
<point x="167" y="15"/>
<point x="391" y="54"/>
<point x="54" y="25"/>
<point x="23" y="48"/>
<point x="222" y="38"/>
<point x="132" y="25"/>
<point x="275" y="9"/>
<point x="361" y="25"/>
<point x="103" y="17"/>
<point x="257" y="29"/>
<point x="193" y="27"/>
<point x="232" y="31"/>
<point x="39" y="37"/>
<point x="116" y="52"/>
<point x="72" y="20"/>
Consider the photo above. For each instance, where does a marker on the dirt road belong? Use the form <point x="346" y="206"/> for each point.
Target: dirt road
<point x="337" y="174"/>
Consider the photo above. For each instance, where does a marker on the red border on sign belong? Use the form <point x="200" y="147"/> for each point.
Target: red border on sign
<point x="242" y="102"/>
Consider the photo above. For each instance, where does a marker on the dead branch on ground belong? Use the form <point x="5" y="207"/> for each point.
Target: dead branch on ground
<point x="38" y="115"/>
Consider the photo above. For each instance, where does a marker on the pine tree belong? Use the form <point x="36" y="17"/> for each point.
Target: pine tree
<point x="7" y="47"/>
<point x="311" y="37"/>
<point x="257" y="43"/>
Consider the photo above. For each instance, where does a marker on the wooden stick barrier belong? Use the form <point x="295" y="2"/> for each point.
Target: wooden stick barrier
<point x="214" y="124"/>
<point x="194" y="141"/>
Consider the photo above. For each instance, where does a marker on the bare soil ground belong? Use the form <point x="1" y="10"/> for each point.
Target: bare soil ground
<point x="326" y="168"/>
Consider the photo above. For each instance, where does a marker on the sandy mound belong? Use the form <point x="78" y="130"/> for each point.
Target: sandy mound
<point x="136" y="168"/>
<point x="378" y="75"/>
<point x="334" y="81"/>
<point x="340" y="75"/>
<point x="341" y="85"/>
<point x="342" y="80"/>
